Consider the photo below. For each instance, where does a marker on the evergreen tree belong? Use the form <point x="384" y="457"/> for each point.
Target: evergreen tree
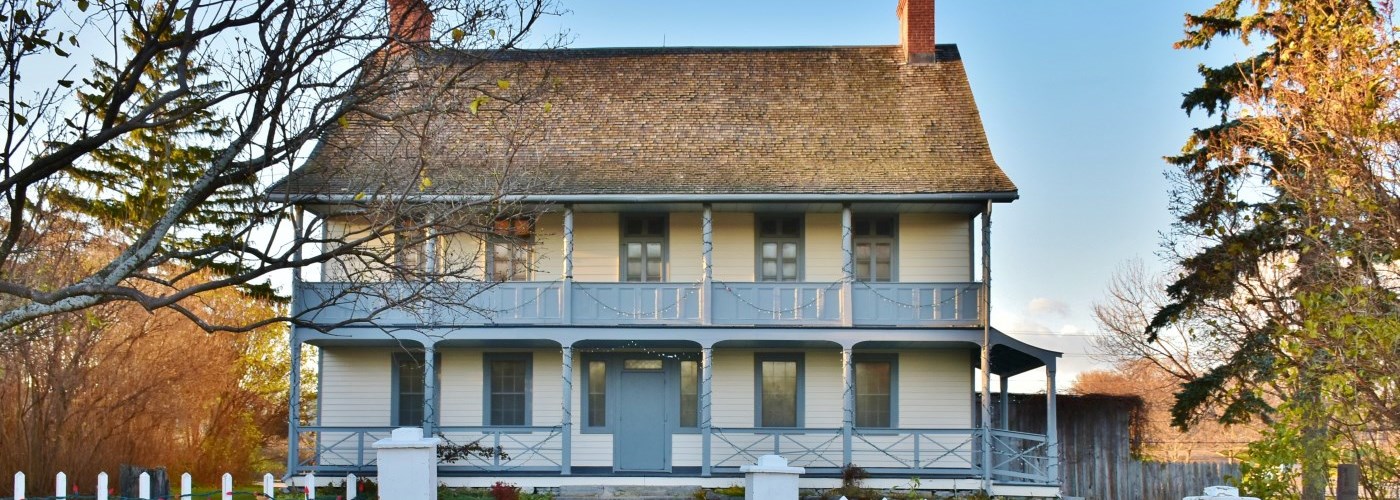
<point x="1285" y="228"/>
<point x="129" y="183"/>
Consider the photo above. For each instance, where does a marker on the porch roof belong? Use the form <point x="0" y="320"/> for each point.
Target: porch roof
<point x="1010" y="356"/>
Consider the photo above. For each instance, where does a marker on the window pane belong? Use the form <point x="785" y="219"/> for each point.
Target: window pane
<point x="641" y="364"/>
<point x="770" y="250"/>
<point x="653" y="260"/>
<point x="873" y="394"/>
<point x="790" y="251"/>
<point x="789" y="271"/>
<point x="770" y="270"/>
<point x="779" y="388"/>
<point x="597" y="393"/>
<point x="410" y="403"/>
<point x="508" y="381"/>
<point x="690" y="393"/>
<point x="863" y="261"/>
<point x="883" y="253"/>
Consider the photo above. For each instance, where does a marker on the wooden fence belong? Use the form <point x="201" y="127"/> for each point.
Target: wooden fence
<point x="1099" y="437"/>
<point x="102" y="489"/>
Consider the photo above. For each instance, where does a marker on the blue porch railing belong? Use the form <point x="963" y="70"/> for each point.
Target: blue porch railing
<point x="730" y="303"/>
<point x="1017" y="457"/>
<point x="330" y="449"/>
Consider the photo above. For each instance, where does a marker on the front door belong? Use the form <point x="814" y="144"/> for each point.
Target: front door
<point x="642" y="441"/>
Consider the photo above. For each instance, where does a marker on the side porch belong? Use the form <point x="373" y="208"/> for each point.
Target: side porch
<point x="637" y="408"/>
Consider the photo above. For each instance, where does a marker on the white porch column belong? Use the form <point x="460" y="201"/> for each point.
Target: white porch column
<point x="566" y="294"/>
<point x="707" y="248"/>
<point x="430" y="248"/>
<point x="1052" y="432"/>
<point x="848" y="266"/>
<point x="1005" y="404"/>
<point x="707" y="364"/>
<point x="986" y="317"/>
<point x="430" y="416"/>
<point x="848" y="403"/>
<point x="567" y="426"/>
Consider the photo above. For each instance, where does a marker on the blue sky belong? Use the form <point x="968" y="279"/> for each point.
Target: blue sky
<point x="1080" y="99"/>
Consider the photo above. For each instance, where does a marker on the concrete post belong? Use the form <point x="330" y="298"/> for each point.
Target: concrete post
<point x="407" y="465"/>
<point x="771" y="479"/>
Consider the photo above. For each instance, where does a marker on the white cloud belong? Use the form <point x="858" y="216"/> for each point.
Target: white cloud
<point x="1048" y="307"/>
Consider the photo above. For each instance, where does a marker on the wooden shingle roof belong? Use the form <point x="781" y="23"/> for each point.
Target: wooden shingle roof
<point x="685" y="121"/>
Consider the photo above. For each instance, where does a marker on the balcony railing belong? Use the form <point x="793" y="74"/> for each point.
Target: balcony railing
<point x="558" y="303"/>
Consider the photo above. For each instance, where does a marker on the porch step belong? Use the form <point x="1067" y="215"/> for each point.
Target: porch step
<point x="627" y="492"/>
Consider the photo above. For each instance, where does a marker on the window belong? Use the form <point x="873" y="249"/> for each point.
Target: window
<point x="875" y="389"/>
<point x="779" y="245"/>
<point x="410" y="239"/>
<point x="408" y="389"/>
<point x="778" y="390"/>
<point x="507" y="389"/>
<point x="690" y="393"/>
<point x="597" y="394"/>
<point x="511" y="249"/>
<point x="874" y="245"/>
<point x="643" y="247"/>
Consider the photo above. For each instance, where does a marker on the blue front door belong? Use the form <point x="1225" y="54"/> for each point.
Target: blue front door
<point x="642" y="441"/>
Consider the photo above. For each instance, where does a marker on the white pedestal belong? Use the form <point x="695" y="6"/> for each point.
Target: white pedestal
<point x="771" y="479"/>
<point x="407" y="465"/>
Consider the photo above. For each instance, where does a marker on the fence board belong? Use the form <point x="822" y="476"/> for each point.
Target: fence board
<point x="1097" y="442"/>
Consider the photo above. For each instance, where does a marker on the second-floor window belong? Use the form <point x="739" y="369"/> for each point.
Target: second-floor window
<point x="511" y="249"/>
<point x="643" y="247"/>
<point x="874" y="238"/>
<point x="410" y="242"/>
<point x="779" y="247"/>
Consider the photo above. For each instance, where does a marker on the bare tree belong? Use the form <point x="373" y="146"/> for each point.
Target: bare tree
<point x="275" y="76"/>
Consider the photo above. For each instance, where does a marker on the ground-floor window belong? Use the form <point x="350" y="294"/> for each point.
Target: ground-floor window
<point x="597" y="394"/>
<point x="406" y="403"/>
<point x="507" y="389"/>
<point x="875" y="383"/>
<point x="690" y="393"/>
<point x="778" y="387"/>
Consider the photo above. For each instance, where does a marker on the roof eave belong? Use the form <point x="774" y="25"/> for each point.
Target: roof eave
<point x="993" y="196"/>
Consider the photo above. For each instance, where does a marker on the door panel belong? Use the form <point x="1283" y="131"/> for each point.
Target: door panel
<point x="642" y="442"/>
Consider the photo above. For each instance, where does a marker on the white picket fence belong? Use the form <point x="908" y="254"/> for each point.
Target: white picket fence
<point x="143" y="486"/>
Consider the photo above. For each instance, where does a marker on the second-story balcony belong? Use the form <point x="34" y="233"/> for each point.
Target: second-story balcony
<point x="560" y="303"/>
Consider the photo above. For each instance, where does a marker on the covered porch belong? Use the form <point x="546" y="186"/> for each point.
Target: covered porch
<point x="932" y="434"/>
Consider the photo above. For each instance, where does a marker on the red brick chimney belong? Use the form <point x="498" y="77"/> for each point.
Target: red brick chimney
<point x="410" y="22"/>
<point x="916" y="30"/>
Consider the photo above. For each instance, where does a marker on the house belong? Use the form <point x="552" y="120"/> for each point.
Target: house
<point x="713" y="254"/>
